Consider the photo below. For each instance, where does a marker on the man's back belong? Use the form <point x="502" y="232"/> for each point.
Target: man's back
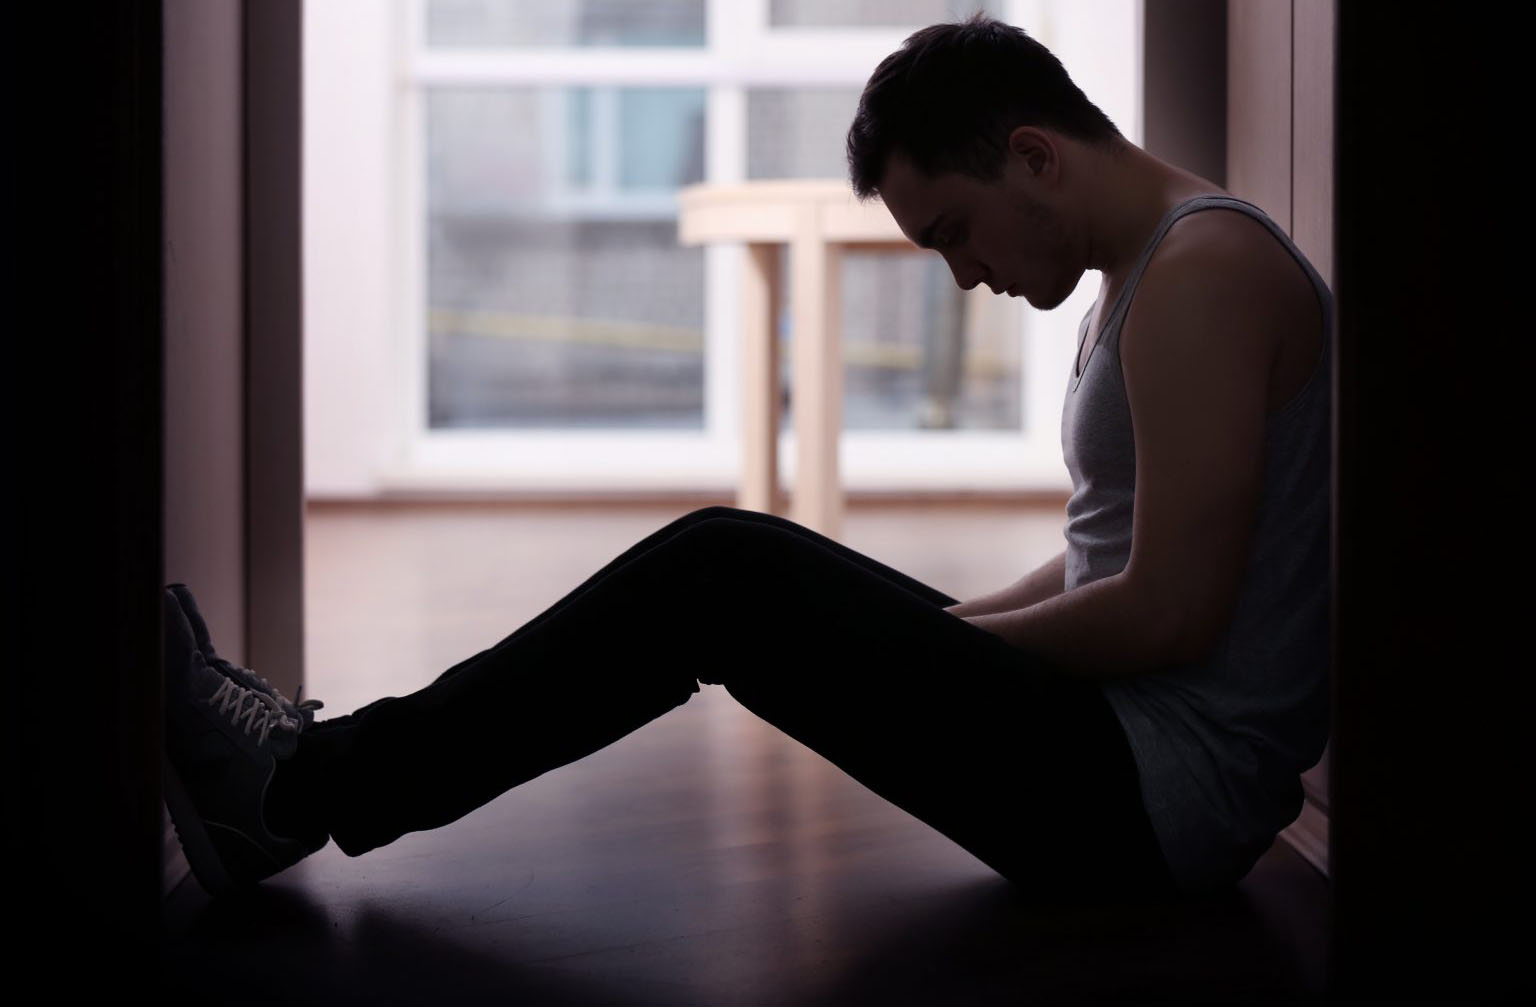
<point x="1221" y="738"/>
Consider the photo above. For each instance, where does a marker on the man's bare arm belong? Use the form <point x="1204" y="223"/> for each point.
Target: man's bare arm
<point x="1047" y="581"/>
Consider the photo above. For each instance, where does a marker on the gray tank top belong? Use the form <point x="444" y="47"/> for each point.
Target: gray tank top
<point x="1220" y="742"/>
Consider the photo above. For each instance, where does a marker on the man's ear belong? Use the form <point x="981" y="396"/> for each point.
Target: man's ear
<point x="1034" y="148"/>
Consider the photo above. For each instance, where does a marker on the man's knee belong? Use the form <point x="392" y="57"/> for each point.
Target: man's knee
<point x="719" y="511"/>
<point x="747" y="525"/>
<point x="699" y="516"/>
<point x="723" y="532"/>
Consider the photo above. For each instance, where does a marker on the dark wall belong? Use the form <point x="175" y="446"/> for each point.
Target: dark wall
<point x="1430" y="860"/>
<point x="95" y="185"/>
<point x="80" y="278"/>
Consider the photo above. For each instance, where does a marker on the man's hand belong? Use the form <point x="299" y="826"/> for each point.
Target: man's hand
<point x="1045" y="581"/>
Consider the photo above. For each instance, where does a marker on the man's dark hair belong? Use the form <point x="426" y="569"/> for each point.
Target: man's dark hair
<point x="949" y="97"/>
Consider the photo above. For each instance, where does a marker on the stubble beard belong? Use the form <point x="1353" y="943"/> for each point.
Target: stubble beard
<point x="1047" y="224"/>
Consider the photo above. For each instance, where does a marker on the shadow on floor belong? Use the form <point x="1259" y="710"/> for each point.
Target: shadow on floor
<point x="971" y="941"/>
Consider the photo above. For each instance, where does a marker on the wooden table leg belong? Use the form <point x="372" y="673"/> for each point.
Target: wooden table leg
<point x="760" y="289"/>
<point x="815" y="307"/>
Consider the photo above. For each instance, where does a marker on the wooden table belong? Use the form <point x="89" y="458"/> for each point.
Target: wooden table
<point x="818" y="220"/>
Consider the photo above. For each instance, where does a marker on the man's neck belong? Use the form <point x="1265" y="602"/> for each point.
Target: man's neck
<point x="1125" y="194"/>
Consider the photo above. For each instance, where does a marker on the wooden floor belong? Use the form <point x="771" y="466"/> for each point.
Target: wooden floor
<point x="704" y="859"/>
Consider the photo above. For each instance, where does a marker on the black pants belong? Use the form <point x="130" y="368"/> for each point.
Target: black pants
<point x="1025" y="767"/>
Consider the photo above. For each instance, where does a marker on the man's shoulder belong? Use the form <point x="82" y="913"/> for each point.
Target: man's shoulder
<point x="1206" y="307"/>
<point x="1223" y="244"/>
<point x="1226" y="262"/>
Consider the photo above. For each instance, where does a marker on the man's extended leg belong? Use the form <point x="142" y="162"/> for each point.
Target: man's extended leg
<point x="1025" y="768"/>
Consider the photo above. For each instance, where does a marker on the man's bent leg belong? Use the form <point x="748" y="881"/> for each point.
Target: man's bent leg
<point x="911" y="584"/>
<point x="1023" y="765"/>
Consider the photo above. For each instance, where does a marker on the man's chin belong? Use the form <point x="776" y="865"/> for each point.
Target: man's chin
<point x="1056" y="298"/>
<point x="1055" y="301"/>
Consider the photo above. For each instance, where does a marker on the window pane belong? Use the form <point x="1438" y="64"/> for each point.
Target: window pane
<point x="456" y="23"/>
<point x="799" y="132"/>
<point x="914" y="355"/>
<point x="661" y="137"/>
<point x="872" y="13"/>
<point x="558" y="295"/>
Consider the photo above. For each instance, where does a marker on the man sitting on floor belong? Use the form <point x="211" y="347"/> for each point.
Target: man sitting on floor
<point x="1129" y="719"/>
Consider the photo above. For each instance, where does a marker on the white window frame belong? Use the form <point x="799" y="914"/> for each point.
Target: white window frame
<point x="741" y="53"/>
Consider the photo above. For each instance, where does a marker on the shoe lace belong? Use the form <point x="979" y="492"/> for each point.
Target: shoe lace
<point x="257" y="709"/>
<point x="306" y="704"/>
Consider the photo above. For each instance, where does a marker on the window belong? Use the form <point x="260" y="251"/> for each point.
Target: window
<point x="541" y="325"/>
<point x="557" y="293"/>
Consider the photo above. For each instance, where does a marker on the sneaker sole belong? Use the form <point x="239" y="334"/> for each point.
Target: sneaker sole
<point x="199" y="849"/>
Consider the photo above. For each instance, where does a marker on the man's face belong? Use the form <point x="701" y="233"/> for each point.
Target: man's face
<point x="997" y="233"/>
